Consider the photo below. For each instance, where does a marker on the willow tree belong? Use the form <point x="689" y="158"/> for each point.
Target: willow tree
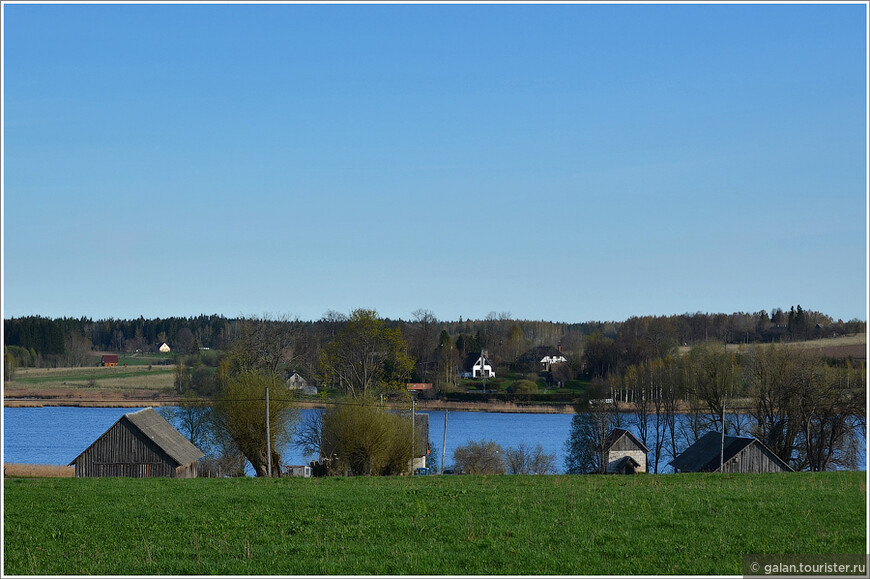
<point x="240" y="412"/>
<point x="367" y="357"/>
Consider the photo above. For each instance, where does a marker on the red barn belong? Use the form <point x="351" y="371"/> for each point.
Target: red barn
<point x="109" y="360"/>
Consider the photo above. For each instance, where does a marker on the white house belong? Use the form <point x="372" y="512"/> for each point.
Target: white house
<point x="297" y="382"/>
<point x="483" y="367"/>
<point x="164" y="347"/>
<point x="548" y="361"/>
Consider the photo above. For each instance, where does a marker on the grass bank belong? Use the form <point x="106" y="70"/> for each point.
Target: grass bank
<point x="577" y="525"/>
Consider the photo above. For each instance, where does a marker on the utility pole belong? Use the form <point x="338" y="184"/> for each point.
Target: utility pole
<point x="413" y="431"/>
<point x="722" y="449"/>
<point x="268" y="438"/>
<point x="444" y="444"/>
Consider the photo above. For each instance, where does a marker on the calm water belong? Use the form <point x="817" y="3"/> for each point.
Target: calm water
<point x="57" y="435"/>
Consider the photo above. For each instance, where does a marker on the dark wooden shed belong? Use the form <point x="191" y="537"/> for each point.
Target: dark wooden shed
<point x="139" y="445"/>
<point x="741" y="454"/>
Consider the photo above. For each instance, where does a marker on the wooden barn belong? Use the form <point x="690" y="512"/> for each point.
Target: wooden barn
<point x="741" y="454"/>
<point x="139" y="445"/>
<point x="625" y="454"/>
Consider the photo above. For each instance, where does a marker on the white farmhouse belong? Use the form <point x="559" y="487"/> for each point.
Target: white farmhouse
<point x="482" y="367"/>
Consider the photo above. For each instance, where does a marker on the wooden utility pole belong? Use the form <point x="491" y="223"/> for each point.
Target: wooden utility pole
<point x="413" y="431"/>
<point x="722" y="449"/>
<point x="268" y="438"/>
<point x="444" y="444"/>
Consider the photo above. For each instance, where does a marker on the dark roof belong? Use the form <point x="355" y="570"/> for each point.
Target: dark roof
<point x="618" y="433"/>
<point x="622" y="461"/>
<point x="109" y="358"/>
<point x="155" y="427"/>
<point x="704" y="455"/>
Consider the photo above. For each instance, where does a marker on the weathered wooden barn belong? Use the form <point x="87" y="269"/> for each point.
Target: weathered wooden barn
<point x="741" y="454"/>
<point x="625" y="454"/>
<point x="139" y="445"/>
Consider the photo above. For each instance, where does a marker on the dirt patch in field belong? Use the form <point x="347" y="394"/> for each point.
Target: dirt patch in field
<point x="38" y="470"/>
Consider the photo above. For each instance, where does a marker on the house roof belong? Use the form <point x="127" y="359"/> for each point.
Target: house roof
<point x="155" y="427"/>
<point x="704" y="455"/>
<point x="618" y="433"/>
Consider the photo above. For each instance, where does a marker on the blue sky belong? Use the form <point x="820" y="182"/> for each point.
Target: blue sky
<point x="558" y="162"/>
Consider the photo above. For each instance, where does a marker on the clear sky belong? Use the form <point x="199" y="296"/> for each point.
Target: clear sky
<point x="557" y="162"/>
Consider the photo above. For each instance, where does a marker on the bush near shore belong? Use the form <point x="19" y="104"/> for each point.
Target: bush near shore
<point x="694" y="524"/>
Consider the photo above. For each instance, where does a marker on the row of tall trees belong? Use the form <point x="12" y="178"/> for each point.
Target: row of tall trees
<point x="598" y="347"/>
<point x="811" y="414"/>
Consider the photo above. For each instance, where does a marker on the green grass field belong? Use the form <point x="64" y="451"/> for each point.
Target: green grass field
<point x="116" y="378"/>
<point x="577" y="525"/>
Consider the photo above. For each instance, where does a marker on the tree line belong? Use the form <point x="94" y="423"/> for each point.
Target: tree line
<point x="811" y="414"/>
<point x="437" y="347"/>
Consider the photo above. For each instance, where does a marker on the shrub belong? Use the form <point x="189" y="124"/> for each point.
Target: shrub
<point x="525" y="387"/>
<point x="521" y="460"/>
<point x="483" y="457"/>
<point x="364" y="439"/>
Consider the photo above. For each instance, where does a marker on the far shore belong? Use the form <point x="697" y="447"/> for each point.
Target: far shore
<point x="73" y="398"/>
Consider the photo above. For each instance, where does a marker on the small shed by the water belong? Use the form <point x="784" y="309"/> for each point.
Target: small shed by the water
<point x="741" y="454"/>
<point x="139" y="445"/>
<point x="624" y="452"/>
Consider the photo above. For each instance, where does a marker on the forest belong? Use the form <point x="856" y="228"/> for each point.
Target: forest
<point x="595" y="349"/>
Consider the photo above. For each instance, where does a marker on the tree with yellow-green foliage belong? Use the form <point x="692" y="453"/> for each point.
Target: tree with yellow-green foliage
<point x="366" y="358"/>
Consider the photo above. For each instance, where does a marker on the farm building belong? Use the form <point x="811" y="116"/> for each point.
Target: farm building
<point x="741" y="454"/>
<point x="302" y="470"/>
<point x="421" y="442"/>
<point x="140" y="445"/>
<point x="109" y="360"/>
<point x="624" y="453"/>
<point x="164" y="348"/>
<point x="482" y="366"/>
<point x="297" y="382"/>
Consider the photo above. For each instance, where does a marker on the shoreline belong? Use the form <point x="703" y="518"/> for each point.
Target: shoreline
<point x="422" y="406"/>
<point x="122" y="401"/>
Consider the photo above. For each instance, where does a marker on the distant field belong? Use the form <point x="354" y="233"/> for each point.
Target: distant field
<point x="91" y="386"/>
<point x="692" y="524"/>
<point x="842" y="346"/>
<point x="116" y="378"/>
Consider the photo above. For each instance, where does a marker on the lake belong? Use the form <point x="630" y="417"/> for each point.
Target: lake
<point x="57" y="435"/>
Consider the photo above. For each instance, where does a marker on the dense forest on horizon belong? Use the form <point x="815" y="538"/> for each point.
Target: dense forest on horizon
<point x="597" y="347"/>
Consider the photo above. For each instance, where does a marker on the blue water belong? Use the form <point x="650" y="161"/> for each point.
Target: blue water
<point x="57" y="435"/>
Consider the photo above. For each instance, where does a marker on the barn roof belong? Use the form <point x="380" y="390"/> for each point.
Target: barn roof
<point x="164" y="435"/>
<point x="618" y="433"/>
<point x="703" y="456"/>
<point x="155" y="427"/>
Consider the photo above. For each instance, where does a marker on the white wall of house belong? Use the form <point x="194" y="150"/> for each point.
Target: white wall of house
<point x="481" y="368"/>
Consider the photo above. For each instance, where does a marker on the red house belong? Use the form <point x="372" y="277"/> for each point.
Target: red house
<point x="109" y="360"/>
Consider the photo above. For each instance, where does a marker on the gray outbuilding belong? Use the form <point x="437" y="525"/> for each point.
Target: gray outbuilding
<point x="140" y="444"/>
<point x="741" y="454"/>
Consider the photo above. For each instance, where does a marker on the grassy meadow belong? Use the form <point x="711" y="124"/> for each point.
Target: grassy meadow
<point x="116" y="377"/>
<point x="578" y="525"/>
